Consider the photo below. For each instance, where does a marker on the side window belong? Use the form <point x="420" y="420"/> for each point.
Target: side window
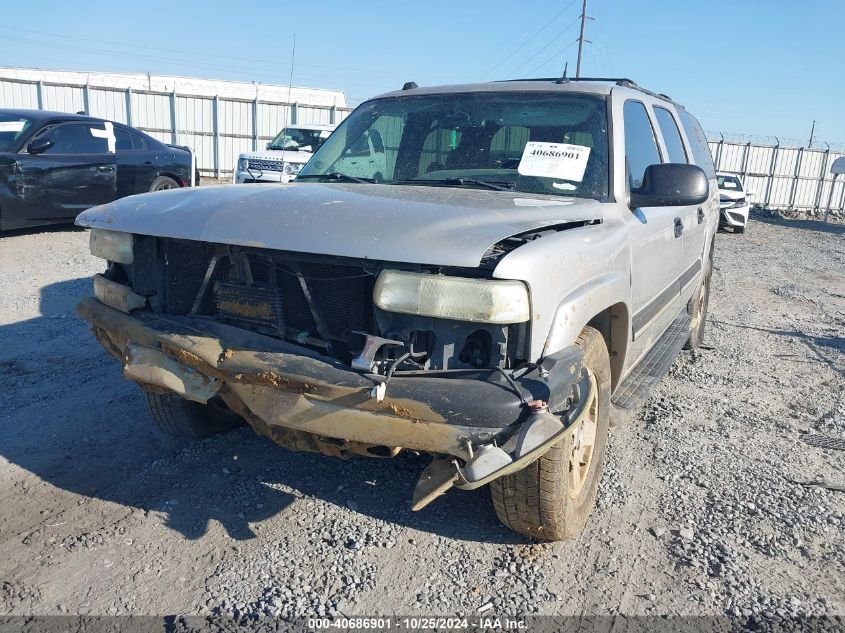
<point x="698" y="143"/>
<point x="139" y="143"/>
<point x="640" y="144"/>
<point x="123" y="141"/>
<point x="76" y="138"/>
<point x="671" y="135"/>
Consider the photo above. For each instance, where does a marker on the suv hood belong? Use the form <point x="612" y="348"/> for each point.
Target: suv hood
<point x="278" y="154"/>
<point x="400" y="223"/>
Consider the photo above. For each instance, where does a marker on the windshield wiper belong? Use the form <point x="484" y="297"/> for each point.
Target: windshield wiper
<point x="334" y="175"/>
<point x="498" y="186"/>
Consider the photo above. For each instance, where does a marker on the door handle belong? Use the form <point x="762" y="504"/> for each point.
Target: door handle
<point x="700" y="215"/>
<point x="105" y="168"/>
<point x="679" y="227"/>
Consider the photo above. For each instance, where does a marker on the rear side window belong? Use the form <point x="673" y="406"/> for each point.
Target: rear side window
<point x="123" y="142"/>
<point x="698" y="143"/>
<point x="128" y="140"/>
<point x="138" y="141"/>
<point x="640" y="144"/>
<point x="671" y="135"/>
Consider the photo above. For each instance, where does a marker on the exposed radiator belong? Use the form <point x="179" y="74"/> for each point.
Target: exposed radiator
<point x="274" y="303"/>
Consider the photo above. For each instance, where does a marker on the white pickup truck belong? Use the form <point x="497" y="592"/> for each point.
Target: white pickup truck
<point x="284" y="156"/>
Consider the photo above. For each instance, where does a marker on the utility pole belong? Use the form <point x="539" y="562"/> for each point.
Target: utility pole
<point x="812" y="133"/>
<point x="581" y="40"/>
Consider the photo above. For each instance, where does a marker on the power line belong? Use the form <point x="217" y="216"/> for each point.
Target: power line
<point x="250" y="60"/>
<point x="550" y="42"/>
<point x="553" y="57"/>
<point x="530" y="37"/>
<point x="170" y="61"/>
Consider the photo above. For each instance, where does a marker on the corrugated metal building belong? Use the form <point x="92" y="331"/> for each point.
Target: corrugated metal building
<point x="217" y="118"/>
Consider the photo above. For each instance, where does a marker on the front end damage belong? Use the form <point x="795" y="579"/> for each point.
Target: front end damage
<point x="258" y="331"/>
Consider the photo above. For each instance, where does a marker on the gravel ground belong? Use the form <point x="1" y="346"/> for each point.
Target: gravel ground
<point x="699" y="511"/>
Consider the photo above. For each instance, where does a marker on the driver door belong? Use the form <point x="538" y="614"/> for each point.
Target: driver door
<point x="75" y="171"/>
<point x="656" y="235"/>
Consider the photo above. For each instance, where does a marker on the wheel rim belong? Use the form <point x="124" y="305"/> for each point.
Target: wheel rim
<point x="164" y="186"/>
<point x="583" y="437"/>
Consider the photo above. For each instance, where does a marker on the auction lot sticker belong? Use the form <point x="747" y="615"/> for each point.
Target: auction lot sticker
<point x="554" y="160"/>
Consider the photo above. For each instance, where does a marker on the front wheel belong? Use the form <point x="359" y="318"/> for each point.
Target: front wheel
<point x="739" y="229"/>
<point x="184" y="418"/>
<point x="552" y="498"/>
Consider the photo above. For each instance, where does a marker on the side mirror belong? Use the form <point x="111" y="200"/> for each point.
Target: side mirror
<point x="40" y="145"/>
<point x="838" y="166"/>
<point x="267" y="146"/>
<point x="669" y="185"/>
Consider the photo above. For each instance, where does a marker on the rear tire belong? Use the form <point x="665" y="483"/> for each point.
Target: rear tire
<point x="178" y="417"/>
<point x="697" y="306"/>
<point x="163" y="182"/>
<point x="739" y="229"/>
<point x="552" y="498"/>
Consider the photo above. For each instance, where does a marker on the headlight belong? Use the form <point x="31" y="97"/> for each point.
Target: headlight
<point x="111" y="245"/>
<point x="292" y="168"/>
<point x="458" y="298"/>
<point x="243" y="164"/>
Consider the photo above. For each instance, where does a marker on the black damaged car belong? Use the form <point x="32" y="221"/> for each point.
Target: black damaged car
<point x="54" y="165"/>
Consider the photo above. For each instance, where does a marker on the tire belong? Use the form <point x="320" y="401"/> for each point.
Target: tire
<point x="178" y="417"/>
<point x="545" y="500"/>
<point x="739" y="230"/>
<point x="163" y="182"/>
<point x="697" y="306"/>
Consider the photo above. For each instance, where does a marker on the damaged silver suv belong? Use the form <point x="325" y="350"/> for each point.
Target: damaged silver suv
<point x="523" y="261"/>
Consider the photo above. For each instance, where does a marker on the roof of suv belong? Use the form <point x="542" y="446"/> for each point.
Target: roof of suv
<point x="591" y="85"/>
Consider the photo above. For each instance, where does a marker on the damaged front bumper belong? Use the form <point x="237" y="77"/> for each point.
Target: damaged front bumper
<point x="305" y="400"/>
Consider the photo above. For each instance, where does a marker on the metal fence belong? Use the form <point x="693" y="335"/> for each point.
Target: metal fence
<point x="216" y="128"/>
<point x="783" y="177"/>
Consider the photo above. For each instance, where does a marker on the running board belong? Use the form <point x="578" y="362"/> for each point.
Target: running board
<point x="635" y="389"/>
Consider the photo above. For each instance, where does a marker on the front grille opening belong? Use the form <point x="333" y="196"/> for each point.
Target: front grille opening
<point x="265" y="295"/>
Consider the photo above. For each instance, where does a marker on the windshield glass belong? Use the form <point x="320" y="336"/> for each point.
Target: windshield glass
<point x="536" y="143"/>
<point x="11" y="128"/>
<point x="730" y="183"/>
<point x="299" y="139"/>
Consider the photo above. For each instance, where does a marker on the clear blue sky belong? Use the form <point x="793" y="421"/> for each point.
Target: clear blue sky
<point x="764" y="67"/>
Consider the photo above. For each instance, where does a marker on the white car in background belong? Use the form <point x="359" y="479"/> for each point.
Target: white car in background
<point x="284" y="156"/>
<point x="734" y="205"/>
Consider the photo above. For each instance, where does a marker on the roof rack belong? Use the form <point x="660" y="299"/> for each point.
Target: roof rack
<point x="619" y="81"/>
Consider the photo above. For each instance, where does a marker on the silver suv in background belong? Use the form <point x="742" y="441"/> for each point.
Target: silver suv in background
<point x="521" y="264"/>
<point x="283" y="157"/>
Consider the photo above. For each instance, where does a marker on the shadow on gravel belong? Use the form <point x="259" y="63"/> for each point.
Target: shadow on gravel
<point x="68" y="417"/>
<point x="815" y="343"/>
<point x="806" y="225"/>
<point x="49" y="228"/>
